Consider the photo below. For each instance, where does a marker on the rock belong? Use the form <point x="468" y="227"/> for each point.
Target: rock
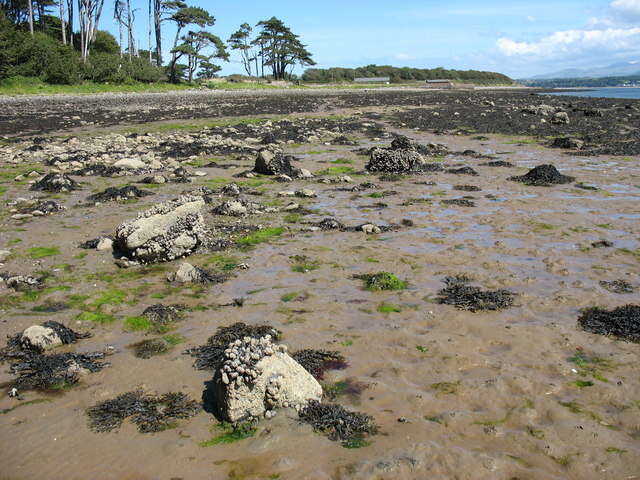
<point x="286" y="193"/>
<point x="567" y="142"/>
<point x="543" y="109"/>
<point x="186" y="273"/>
<point x="560" y="118"/>
<point x="232" y="208"/>
<point x="305" y="193"/>
<point x="39" y="338"/>
<point x="402" y="157"/>
<point x="304" y="173"/>
<point x="104" y="244"/>
<point x="258" y="377"/>
<point x="4" y="254"/>
<point x="370" y="228"/>
<point x="130" y="163"/>
<point x="269" y="163"/>
<point x="232" y="190"/>
<point x="282" y="178"/>
<point x="165" y="232"/>
<point x="56" y="182"/>
<point x="291" y="206"/>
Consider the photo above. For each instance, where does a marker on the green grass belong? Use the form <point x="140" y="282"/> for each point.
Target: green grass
<point x="261" y="236"/>
<point x="287" y="297"/>
<point x="97" y="317"/>
<point x="230" y="434"/>
<point x="225" y="263"/>
<point x="293" y="218"/>
<point x="376" y="195"/>
<point x="583" y="383"/>
<point x="137" y="324"/>
<point x="335" y="171"/>
<point x="355" y="442"/>
<point x="34" y="86"/>
<point x="41" y="252"/>
<point x="389" y="308"/>
<point x="422" y="349"/>
<point x="342" y="161"/>
<point x="112" y="296"/>
<point x="173" y="339"/>
<point x="240" y="86"/>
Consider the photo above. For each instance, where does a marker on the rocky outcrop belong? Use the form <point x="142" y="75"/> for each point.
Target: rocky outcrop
<point x="270" y="163"/>
<point x="257" y="377"/>
<point x="55" y="183"/>
<point x="165" y="232"/>
<point x="39" y="338"/>
<point x="402" y="157"/>
<point x="567" y="142"/>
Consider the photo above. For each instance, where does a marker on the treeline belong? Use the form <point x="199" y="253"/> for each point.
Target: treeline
<point x="402" y="74"/>
<point x="58" y="41"/>
<point x="584" y="82"/>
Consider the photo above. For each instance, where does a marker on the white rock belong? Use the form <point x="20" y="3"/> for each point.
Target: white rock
<point x="104" y="244"/>
<point x="295" y="387"/>
<point x="186" y="273"/>
<point x="4" y="254"/>
<point x="305" y="193"/>
<point x="286" y="193"/>
<point x="40" y="338"/>
<point x="132" y="163"/>
<point x="370" y="228"/>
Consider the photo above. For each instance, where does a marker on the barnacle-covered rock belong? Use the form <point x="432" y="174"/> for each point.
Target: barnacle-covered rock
<point x="165" y="232"/>
<point x="257" y="377"/>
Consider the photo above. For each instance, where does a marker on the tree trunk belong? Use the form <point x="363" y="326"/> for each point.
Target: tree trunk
<point x="63" y="27"/>
<point x="157" y="6"/>
<point x="70" y="23"/>
<point x="173" y="57"/>
<point x="130" y="30"/>
<point x="30" y="16"/>
<point x="150" y="20"/>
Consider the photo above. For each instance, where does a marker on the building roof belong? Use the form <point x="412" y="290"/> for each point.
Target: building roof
<point x="372" y="79"/>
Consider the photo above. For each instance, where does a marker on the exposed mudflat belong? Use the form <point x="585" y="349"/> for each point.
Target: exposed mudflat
<point x="520" y="392"/>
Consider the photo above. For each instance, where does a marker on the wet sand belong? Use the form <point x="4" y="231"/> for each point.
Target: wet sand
<point x="493" y="395"/>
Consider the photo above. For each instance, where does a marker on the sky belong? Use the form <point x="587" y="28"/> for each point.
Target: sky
<point x="520" y="38"/>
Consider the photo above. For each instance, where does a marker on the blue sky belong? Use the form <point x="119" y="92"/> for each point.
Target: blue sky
<point x="518" y="37"/>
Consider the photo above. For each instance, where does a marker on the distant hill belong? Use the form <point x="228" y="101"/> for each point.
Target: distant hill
<point x="620" y="69"/>
<point x="627" y="81"/>
<point x="403" y="74"/>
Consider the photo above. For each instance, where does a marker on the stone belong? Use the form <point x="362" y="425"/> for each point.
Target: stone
<point x="4" y="254"/>
<point x="104" y="244"/>
<point x="232" y="208"/>
<point x="282" y="178"/>
<point x="305" y="193"/>
<point x="165" y="232"/>
<point x="370" y="228"/>
<point x="560" y="118"/>
<point x="186" y="273"/>
<point x="130" y="163"/>
<point x="259" y="377"/>
<point x="270" y="163"/>
<point x="56" y="183"/>
<point x="39" y="338"/>
<point x="286" y="193"/>
<point x="567" y="142"/>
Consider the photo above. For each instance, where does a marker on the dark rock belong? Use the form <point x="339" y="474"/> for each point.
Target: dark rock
<point x="543" y="175"/>
<point x="55" y="183"/>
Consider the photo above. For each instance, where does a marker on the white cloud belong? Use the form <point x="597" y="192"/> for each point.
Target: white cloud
<point x="531" y="18"/>
<point x="618" y="31"/>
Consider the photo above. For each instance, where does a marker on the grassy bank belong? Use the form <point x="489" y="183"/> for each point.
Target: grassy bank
<point x="34" y="86"/>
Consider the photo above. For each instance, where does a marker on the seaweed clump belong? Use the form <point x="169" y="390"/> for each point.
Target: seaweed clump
<point x="163" y="316"/>
<point x="543" y="176"/>
<point x="151" y="413"/>
<point x="210" y="356"/>
<point x="332" y="420"/>
<point x="51" y="372"/>
<point x="55" y="183"/>
<point x="114" y="194"/>
<point x="622" y="322"/>
<point x="150" y="348"/>
<point x="317" y="362"/>
<point x="498" y="163"/>
<point x="458" y="292"/>
<point x="382" y="281"/>
<point x="460" y="202"/>
<point x="618" y="286"/>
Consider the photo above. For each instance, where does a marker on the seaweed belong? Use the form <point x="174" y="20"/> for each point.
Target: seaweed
<point x="150" y="348"/>
<point x="163" y="316"/>
<point x="543" y="176"/>
<point x="622" y="322"/>
<point x="112" y="194"/>
<point x="462" y="171"/>
<point x="55" y="183"/>
<point x="151" y="413"/>
<point x="498" y="163"/>
<point x="66" y="334"/>
<point x="457" y="292"/>
<point x="602" y="244"/>
<point x="467" y="188"/>
<point x="45" y="372"/>
<point x="618" y="286"/>
<point x="460" y="202"/>
<point x="317" y="362"/>
<point x="210" y="355"/>
<point x="337" y="423"/>
<point x="90" y="244"/>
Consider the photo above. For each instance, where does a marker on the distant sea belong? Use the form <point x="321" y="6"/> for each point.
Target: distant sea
<point x="610" y="92"/>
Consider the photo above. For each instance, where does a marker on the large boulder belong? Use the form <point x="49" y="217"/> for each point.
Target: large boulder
<point x="402" y="157"/>
<point x="39" y="338"/>
<point x="258" y="377"/>
<point x="567" y="142"/>
<point x="165" y="232"/>
<point x="270" y="163"/>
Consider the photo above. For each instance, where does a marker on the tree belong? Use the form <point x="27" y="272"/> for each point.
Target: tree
<point x="193" y="47"/>
<point x="182" y="17"/>
<point x="240" y="40"/>
<point x="280" y="48"/>
<point x="208" y="70"/>
<point x="89" y="12"/>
